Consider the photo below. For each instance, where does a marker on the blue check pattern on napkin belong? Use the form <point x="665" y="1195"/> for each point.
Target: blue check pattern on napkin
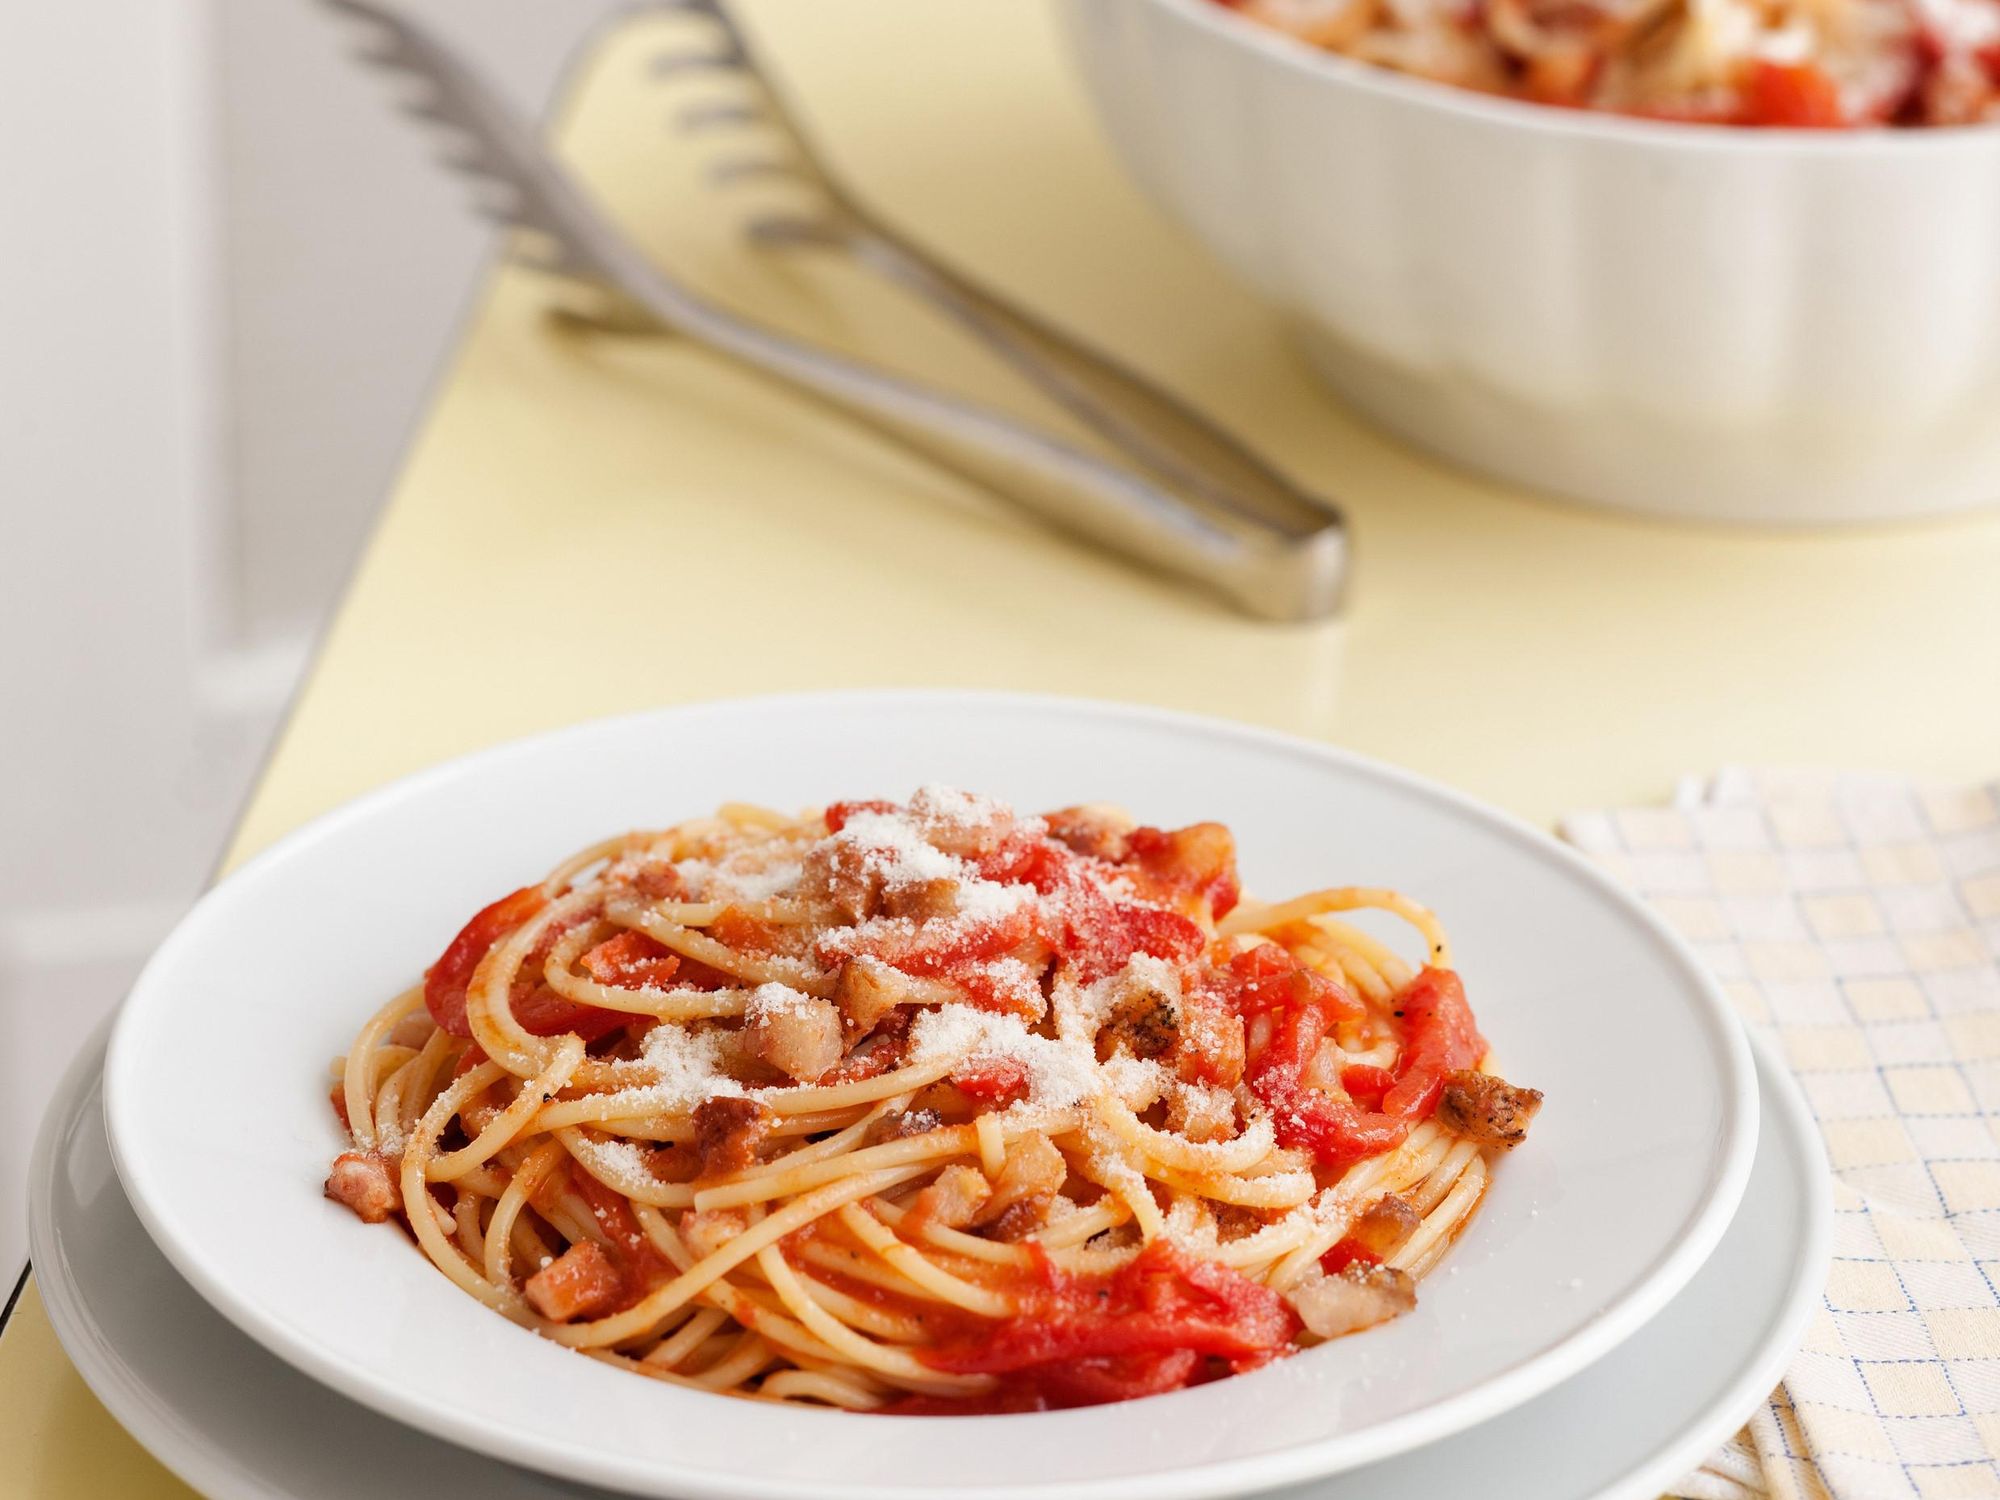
<point x="1854" y="920"/>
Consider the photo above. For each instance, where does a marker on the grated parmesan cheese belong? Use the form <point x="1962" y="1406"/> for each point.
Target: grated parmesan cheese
<point x="777" y="999"/>
<point x="894" y="847"/>
<point x="1061" y="1074"/>
<point x="616" y="1157"/>
<point x="762" y="885"/>
<point x="946" y="809"/>
<point x="683" y="1065"/>
<point x="1139" y="1082"/>
<point x="687" y="1069"/>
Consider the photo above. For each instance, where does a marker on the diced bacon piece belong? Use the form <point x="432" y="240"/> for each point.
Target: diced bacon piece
<point x="1377" y="1232"/>
<point x="954" y="1197"/>
<point x="362" y="1181"/>
<point x="841" y="875"/>
<point x="582" y="1282"/>
<point x="867" y="989"/>
<point x="1019" y="1220"/>
<point x="1385" y="1224"/>
<point x="1031" y="1172"/>
<point x="1359" y="1297"/>
<point x="796" y="1033"/>
<point x="896" y="1127"/>
<point x="885" y="1048"/>
<point x="1233" y="1221"/>
<point x="1145" y="1021"/>
<point x="928" y="900"/>
<point x="960" y="823"/>
<point x="1487" y="1109"/>
<point x="729" y="1132"/>
<point x="1196" y="1031"/>
<point x="1096" y="830"/>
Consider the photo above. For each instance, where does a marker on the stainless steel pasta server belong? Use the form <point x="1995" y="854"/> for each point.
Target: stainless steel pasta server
<point x="758" y="135"/>
<point x="1186" y="509"/>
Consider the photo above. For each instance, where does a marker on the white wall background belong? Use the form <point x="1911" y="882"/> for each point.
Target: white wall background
<point x="228" y="275"/>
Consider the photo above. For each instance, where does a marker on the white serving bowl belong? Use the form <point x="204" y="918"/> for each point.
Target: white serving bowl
<point x="1696" y="321"/>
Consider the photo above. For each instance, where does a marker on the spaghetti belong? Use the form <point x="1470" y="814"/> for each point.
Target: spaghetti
<point x="926" y="1108"/>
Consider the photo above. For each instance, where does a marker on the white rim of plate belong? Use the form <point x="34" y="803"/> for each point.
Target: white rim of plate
<point x="1506" y="1389"/>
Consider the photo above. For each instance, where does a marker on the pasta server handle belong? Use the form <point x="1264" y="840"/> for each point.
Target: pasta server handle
<point x="1273" y="569"/>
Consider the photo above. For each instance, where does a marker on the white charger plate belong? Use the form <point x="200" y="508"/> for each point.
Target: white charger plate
<point x="238" y="1424"/>
<point x="219" y="1127"/>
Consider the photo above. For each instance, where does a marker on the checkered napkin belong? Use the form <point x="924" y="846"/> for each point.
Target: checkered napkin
<point x="1855" y="921"/>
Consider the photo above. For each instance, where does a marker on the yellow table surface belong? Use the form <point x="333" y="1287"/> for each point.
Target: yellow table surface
<point x="588" y="525"/>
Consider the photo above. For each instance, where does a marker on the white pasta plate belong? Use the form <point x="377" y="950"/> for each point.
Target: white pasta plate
<point x="219" y="1124"/>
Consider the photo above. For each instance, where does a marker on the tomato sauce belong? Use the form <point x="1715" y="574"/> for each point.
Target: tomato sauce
<point x="1438" y="1036"/>
<point x="1163" y="1321"/>
<point x="539" y="1009"/>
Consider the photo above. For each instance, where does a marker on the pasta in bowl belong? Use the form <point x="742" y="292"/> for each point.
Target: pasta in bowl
<point x="927" y="1108"/>
<point x="1813" y="64"/>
